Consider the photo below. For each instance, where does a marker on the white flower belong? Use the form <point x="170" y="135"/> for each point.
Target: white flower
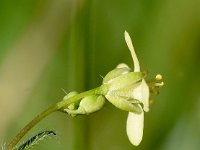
<point x="127" y="90"/>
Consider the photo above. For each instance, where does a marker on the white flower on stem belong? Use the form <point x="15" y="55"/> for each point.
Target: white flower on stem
<point x="127" y="90"/>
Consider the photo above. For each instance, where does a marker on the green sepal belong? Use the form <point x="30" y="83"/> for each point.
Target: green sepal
<point x="125" y="80"/>
<point x="124" y="103"/>
<point x="115" y="73"/>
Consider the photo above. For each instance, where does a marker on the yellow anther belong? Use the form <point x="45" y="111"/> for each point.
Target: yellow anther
<point x="158" y="77"/>
<point x="159" y="84"/>
<point x="162" y="84"/>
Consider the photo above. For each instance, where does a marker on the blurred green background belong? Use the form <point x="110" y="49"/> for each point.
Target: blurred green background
<point x="46" y="45"/>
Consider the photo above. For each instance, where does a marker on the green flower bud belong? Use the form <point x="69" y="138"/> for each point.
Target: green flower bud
<point x="92" y="103"/>
<point x="73" y="105"/>
<point x="87" y="105"/>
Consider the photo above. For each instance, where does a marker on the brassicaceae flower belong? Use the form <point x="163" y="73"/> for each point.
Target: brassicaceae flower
<point x="128" y="90"/>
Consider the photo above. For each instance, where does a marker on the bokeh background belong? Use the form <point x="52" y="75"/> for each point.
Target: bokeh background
<point x="46" y="45"/>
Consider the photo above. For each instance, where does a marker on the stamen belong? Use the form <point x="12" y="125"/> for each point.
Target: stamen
<point x="158" y="77"/>
<point x="159" y="84"/>
<point x="154" y="90"/>
<point x="154" y="85"/>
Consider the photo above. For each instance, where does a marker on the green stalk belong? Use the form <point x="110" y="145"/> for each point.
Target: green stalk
<point x="57" y="107"/>
<point x="30" y="125"/>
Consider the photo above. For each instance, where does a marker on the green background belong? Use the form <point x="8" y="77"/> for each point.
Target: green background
<point x="48" y="45"/>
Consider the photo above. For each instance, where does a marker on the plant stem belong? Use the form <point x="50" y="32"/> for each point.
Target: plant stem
<point x="30" y="125"/>
<point x="58" y="106"/>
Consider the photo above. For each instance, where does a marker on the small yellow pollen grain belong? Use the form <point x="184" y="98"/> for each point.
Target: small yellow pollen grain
<point x="158" y="77"/>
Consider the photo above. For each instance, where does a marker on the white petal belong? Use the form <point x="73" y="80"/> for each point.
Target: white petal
<point x="141" y="92"/>
<point x="134" y="127"/>
<point x="145" y="95"/>
<point x="133" y="54"/>
<point x="137" y="92"/>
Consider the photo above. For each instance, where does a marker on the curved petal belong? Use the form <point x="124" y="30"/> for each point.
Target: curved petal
<point x="133" y="54"/>
<point x="134" y="127"/>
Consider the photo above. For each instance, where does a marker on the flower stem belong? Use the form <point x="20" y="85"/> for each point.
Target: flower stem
<point x="62" y="104"/>
<point x="58" y="106"/>
<point x="30" y="125"/>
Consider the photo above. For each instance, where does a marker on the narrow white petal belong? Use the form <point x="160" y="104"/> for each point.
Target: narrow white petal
<point x="145" y="95"/>
<point x="134" y="127"/>
<point x="133" y="54"/>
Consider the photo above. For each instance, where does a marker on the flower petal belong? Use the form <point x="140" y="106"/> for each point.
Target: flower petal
<point x="141" y="92"/>
<point x="134" y="127"/>
<point x="133" y="54"/>
<point x="145" y="95"/>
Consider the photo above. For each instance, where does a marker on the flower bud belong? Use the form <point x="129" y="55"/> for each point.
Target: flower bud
<point x="73" y="105"/>
<point x="92" y="103"/>
<point x="87" y="105"/>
